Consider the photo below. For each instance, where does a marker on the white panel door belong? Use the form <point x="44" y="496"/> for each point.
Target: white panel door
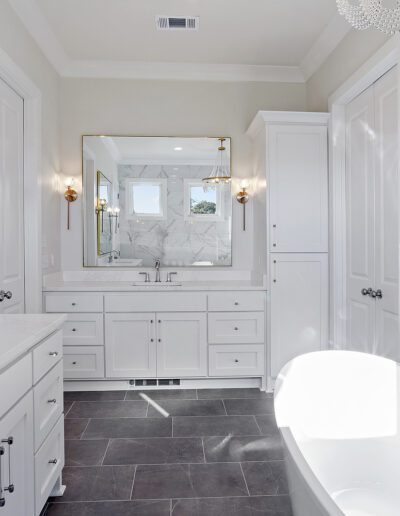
<point x="130" y="345"/>
<point x="298" y="188"/>
<point x="360" y="221"/>
<point x="387" y="216"/>
<point x="11" y="206"/>
<point x="299" y="306"/>
<point x="18" y="425"/>
<point x="181" y="345"/>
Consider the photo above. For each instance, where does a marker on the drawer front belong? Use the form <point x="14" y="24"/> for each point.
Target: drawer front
<point x="236" y="301"/>
<point x="73" y="302"/>
<point x="236" y="360"/>
<point x="48" y="403"/>
<point x="236" y="327"/>
<point x="83" y="362"/>
<point x="46" y="355"/>
<point x="156" y="302"/>
<point x="15" y="381"/>
<point x="49" y="462"/>
<point x="83" y="330"/>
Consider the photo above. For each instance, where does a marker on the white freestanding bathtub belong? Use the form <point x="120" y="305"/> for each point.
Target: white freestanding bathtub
<point x="338" y="413"/>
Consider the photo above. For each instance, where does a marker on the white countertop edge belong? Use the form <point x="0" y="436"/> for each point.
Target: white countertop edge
<point x="126" y="286"/>
<point x="22" y="342"/>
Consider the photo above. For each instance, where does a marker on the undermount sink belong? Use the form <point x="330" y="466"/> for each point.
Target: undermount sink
<point x="157" y="284"/>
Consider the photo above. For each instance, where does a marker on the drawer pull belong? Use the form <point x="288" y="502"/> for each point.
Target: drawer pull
<point x="10" y="441"/>
<point x="73" y="304"/>
<point x="53" y="461"/>
<point x="236" y="328"/>
<point x="151" y="340"/>
<point x="159" y="340"/>
<point x="159" y="321"/>
<point x="151" y="321"/>
<point x="236" y="303"/>
<point x="74" y="363"/>
<point x="236" y="361"/>
<point x="53" y="354"/>
<point x="73" y="329"/>
<point x="52" y="401"/>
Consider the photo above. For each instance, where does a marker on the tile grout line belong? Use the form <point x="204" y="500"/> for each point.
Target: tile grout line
<point x="86" y="427"/>
<point x="133" y="482"/>
<point x="176" y="464"/>
<point x="244" y="478"/>
<point x="105" y="453"/>
<point x="258" y="426"/>
<point x="65" y="413"/>
<point x="204" y="453"/>
<point x="170" y="507"/>
<point x="223" y="403"/>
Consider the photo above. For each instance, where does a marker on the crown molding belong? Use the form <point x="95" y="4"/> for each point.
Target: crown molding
<point x="37" y="25"/>
<point x="324" y="45"/>
<point x="264" y="118"/>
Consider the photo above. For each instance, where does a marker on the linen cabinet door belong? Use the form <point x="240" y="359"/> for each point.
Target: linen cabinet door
<point x="18" y="426"/>
<point x="298" y="168"/>
<point x="181" y="345"/>
<point x="299" y="306"/>
<point x="130" y="345"/>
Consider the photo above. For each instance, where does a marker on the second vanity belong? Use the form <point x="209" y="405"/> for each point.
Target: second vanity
<point x="160" y="335"/>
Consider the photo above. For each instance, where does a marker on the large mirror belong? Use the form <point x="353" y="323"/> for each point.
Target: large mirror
<point x="148" y="198"/>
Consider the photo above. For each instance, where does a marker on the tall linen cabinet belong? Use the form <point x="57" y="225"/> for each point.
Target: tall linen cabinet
<point x="290" y="167"/>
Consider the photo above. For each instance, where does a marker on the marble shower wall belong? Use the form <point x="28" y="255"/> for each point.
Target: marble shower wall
<point x="176" y="241"/>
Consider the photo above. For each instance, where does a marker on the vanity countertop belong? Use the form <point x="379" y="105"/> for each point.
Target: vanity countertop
<point x="21" y="332"/>
<point x="128" y="286"/>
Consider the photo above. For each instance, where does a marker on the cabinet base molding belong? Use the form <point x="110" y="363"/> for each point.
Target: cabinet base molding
<point x="58" y="489"/>
<point x="196" y="383"/>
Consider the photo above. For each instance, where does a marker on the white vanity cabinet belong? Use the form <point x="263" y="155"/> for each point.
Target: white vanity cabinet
<point x="31" y="413"/>
<point x="159" y="334"/>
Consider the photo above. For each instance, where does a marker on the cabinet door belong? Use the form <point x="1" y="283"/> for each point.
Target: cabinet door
<point x="387" y="216"/>
<point x="360" y="222"/>
<point x="18" y="424"/>
<point x="181" y="345"/>
<point x="130" y="345"/>
<point x="299" y="306"/>
<point x="298" y="171"/>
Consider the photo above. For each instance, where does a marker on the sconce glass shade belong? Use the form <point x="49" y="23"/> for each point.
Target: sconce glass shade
<point x="220" y="174"/>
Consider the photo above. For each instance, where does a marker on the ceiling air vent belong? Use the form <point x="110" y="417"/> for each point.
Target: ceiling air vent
<point x="177" y="22"/>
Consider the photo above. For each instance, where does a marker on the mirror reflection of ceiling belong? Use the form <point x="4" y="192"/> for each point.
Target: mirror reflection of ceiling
<point x="137" y="150"/>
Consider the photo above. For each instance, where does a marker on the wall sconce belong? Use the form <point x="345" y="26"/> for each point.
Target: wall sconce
<point x="70" y="195"/>
<point x="101" y="208"/>
<point x="242" y="197"/>
<point x="114" y="213"/>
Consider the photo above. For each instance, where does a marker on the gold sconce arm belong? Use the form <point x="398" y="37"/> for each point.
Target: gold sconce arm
<point x="70" y="195"/>
<point x="243" y="197"/>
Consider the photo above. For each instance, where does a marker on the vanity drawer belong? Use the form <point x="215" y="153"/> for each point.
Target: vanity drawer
<point x="236" y="301"/>
<point x="156" y="302"/>
<point x="46" y="355"/>
<point x="83" y="330"/>
<point x="236" y="360"/>
<point x="15" y="382"/>
<point x="83" y="362"/>
<point x="73" y="302"/>
<point x="48" y="403"/>
<point x="236" y="327"/>
<point x="49" y="462"/>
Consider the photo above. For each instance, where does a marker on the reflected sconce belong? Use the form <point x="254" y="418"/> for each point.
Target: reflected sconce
<point x="70" y="195"/>
<point x="114" y="213"/>
<point x="242" y="197"/>
<point x="101" y="208"/>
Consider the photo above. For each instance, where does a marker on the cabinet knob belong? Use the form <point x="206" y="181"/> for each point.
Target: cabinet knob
<point x="73" y="329"/>
<point x="151" y="321"/>
<point x="236" y="303"/>
<point x="74" y="363"/>
<point x="236" y="361"/>
<point x="236" y="328"/>
<point x="159" y="340"/>
<point x="73" y="304"/>
<point x="151" y="340"/>
<point x="159" y="320"/>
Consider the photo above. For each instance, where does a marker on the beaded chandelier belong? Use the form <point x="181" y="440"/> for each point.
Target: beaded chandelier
<point x="362" y="14"/>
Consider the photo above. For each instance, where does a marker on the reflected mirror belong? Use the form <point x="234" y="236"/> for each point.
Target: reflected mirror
<point x="156" y="197"/>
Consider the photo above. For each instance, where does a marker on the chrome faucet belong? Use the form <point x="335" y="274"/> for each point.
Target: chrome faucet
<point x="157" y="266"/>
<point x="113" y="255"/>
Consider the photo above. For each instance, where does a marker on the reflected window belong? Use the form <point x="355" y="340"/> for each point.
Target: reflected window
<point x="146" y="198"/>
<point x="202" y="204"/>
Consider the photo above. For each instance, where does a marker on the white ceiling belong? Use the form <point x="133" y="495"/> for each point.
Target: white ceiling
<point x="257" y="39"/>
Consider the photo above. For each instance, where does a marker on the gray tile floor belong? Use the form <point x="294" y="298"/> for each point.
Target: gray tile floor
<point x="186" y="453"/>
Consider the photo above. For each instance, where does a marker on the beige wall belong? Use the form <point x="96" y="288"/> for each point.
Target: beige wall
<point x="348" y="56"/>
<point x="127" y="107"/>
<point x="18" y="44"/>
